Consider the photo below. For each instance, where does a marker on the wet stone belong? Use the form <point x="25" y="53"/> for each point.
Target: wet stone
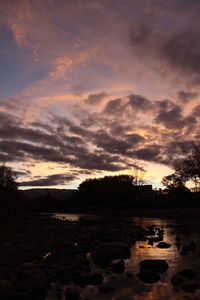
<point x="148" y="276"/>
<point x="163" y="245"/>
<point x="157" y="265"/>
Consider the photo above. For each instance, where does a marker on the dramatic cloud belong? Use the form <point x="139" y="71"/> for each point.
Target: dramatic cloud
<point x="95" y="98"/>
<point x="56" y="179"/>
<point x="97" y="87"/>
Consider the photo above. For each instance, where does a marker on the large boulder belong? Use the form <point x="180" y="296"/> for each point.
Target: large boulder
<point x="148" y="276"/>
<point x="156" y="265"/>
<point x="106" y="252"/>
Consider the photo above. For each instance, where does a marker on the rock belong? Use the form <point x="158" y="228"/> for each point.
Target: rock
<point x="177" y="279"/>
<point x="188" y="273"/>
<point x="163" y="245"/>
<point x="183" y="277"/>
<point x="93" y="278"/>
<point x="148" y="276"/>
<point x="106" y="252"/>
<point x="5" y="285"/>
<point x="185" y="250"/>
<point x="14" y="295"/>
<point x="129" y="274"/>
<point x="189" y="286"/>
<point x="118" y="267"/>
<point x="104" y="289"/>
<point x="157" y="265"/>
<point x="72" y="295"/>
<point x="34" y="284"/>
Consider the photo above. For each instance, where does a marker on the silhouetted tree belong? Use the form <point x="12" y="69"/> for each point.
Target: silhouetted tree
<point x="189" y="166"/>
<point x="7" y="179"/>
<point x="107" y="189"/>
<point x="175" y="183"/>
<point x="10" y="201"/>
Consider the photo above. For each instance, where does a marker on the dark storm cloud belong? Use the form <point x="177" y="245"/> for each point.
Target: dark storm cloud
<point x="182" y="50"/>
<point x="76" y="129"/>
<point x="21" y="151"/>
<point x="150" y="153"/>
<point x="138" y="102"/>
<point x="178" y="49"/>
<point x="95" y="98"/>
<point x="174" y="119"/>
<point x="113" y="106"/>
<point x="110" y="144"/>
<point x="56" y="179"/>
<point x="134" y="138"/>
<point x="100" y="161"/>
<point x="185" y="97"/>
<point x="196" y="111"/>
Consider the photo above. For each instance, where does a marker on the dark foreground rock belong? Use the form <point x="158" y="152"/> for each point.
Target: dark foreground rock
<point x="72" y="295"/>
<point x="186" y="280"/>
<point x="37" y="251"/>
<point x="93" y="278"/>
<point x="156" y="265"/>
<point x="104" y="289"/>
<point x="189" y="287"/>
<point x="14" y="295"/>
<point x="183" y="276"/>
<point x="118" y="267"/>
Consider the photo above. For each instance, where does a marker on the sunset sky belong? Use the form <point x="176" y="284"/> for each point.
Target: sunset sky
<point x="93" y="88"/>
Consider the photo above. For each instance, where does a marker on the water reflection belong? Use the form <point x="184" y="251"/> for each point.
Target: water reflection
<point x="130" y="287"/>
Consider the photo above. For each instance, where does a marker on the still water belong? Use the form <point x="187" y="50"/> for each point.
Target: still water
<point x="131" y="288"/>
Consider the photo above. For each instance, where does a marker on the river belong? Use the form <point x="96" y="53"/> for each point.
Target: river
<point x="130" y="287"/>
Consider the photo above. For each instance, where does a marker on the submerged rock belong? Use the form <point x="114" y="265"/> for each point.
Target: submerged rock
<point x="163" y="245"/>
<point x="157" y="265"/>
<point x="148" y="276"/>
